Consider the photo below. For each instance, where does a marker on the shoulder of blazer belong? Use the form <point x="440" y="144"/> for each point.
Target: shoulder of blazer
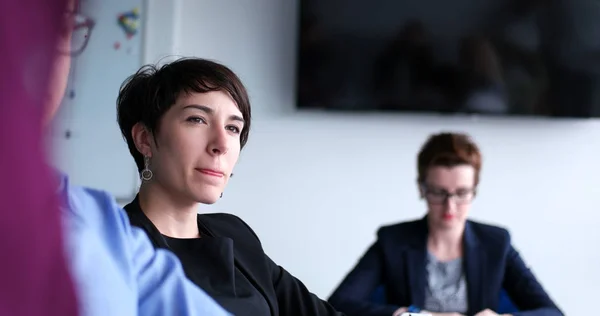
<point x="402" y="234"/>
<point x="411" y="232"/>
<point x="487" y="233"/>
<point x="229" y="225"/>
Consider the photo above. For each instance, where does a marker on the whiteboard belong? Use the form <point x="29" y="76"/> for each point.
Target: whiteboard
<point x="86" y="141"/>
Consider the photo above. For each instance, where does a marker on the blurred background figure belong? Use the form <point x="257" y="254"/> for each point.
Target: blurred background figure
<point x="34" y="274"/>
<point x="443" y="263"/>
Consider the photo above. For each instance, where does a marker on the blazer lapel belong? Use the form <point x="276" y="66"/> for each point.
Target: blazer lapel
<point x="417" y="261"/>
<point x="474" y="265"/>
<point x="239" y="259"/>
<point x="139" y="219"/>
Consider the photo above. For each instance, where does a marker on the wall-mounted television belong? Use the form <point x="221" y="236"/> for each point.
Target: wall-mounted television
<point x="496" y="57"/>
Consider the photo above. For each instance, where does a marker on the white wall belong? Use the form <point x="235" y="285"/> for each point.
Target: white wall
<point x="94" y="154"/>
<point x="316" y="186"/>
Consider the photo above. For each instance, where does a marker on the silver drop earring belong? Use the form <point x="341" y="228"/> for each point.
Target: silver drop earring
<point x="146" y="173"/>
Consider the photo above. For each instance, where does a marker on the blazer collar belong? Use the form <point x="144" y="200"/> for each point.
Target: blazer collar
<point x="417" y="262"/>
<point x="475" y="263"/>
<point x="418" y="238"/>
<point x="139" y="219"/>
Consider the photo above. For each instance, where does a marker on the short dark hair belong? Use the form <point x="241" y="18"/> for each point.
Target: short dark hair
<point x="147" y="95"/>
<point x="448" y="150"/>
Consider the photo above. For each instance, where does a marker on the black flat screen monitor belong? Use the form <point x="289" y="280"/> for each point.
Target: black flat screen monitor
<point x="489" y="57"/>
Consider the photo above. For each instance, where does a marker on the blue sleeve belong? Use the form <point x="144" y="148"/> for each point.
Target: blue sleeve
<point x="163" y="288"/>
<point x="115" y="267"/>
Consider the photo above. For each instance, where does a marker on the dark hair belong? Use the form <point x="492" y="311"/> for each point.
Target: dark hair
<point x="448" y="150"/>
<point x="148" y="94"/>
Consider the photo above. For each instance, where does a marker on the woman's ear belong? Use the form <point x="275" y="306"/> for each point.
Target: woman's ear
<point x="142" y="138"/>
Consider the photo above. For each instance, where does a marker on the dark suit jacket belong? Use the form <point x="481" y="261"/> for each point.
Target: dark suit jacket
<point x="397" y="260"/>
<point x="285" y="294"/>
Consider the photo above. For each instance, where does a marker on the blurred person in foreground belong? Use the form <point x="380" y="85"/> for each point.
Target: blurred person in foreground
<point x="443" y="264"/>
<point x="34" y="277"/>
<point x="114" y="267"/>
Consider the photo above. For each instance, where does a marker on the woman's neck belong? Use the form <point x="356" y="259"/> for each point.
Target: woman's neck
<point x="445" y="244"/>
<point x="171" y="217"/>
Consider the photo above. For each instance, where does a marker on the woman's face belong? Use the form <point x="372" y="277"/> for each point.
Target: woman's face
<point x="449" y="192"/>
<point x="198" y="146"/>
<point x="61" y="64"/>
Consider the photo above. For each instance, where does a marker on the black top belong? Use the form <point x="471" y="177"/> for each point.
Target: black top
<point x="228" y="262"/>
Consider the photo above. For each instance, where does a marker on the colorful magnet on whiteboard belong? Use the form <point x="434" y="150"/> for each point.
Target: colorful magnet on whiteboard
<point x="72" y="94"/>
<point x="129" y="22"/>
<point x="117" y="45"/>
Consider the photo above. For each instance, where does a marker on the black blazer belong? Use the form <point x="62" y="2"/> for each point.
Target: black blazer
<point x="285" y="294"/>
<point x="397" y="260"/>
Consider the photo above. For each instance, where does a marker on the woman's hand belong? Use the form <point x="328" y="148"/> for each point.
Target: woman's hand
<point x="489" y="312"/>
<point x="400" y="311"/>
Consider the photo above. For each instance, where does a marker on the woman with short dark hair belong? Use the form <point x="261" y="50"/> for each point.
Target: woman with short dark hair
<point x="185" y="124"/>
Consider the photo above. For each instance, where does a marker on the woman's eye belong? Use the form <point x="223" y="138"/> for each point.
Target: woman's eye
<point x="234" y="129"/>
<point x="196" y="119"/>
